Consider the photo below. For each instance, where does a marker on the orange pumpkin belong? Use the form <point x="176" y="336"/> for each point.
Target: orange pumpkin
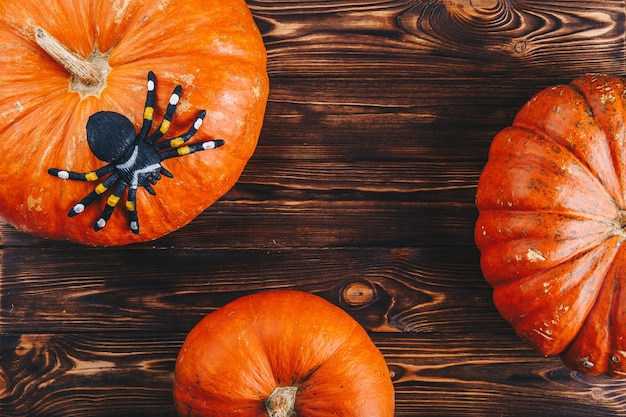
<point x="551" y="226"/>
<point x="279" y="352"/>
<point x="64" y="61"/>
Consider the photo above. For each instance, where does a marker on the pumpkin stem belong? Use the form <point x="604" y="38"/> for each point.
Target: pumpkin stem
<point x="88" y="74"/>
<point x="282" y="402"/>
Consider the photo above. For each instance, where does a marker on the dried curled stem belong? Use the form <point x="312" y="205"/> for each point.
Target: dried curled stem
<point x="76" y="65"/>
<point x="88" y="73"/>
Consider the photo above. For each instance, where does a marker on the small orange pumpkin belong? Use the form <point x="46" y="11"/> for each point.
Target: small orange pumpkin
<point x="63" y="61"/>
<point x="552" y="223"/>
<point x="277" y="353"/>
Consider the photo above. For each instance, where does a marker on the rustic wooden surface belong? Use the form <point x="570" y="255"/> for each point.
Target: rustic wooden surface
<point x="378" y="124"/>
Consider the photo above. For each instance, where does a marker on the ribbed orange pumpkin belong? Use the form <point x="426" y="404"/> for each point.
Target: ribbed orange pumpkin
<point x="211" y="48"/>
<point x="279" y="352"/>
<point x="552" y="223"/>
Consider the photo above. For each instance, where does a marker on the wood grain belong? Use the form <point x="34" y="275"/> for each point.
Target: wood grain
<point x="361" y="190"/>
<point x="97" y="290"/>
<point x="452" y="37"/>
<point x="88" y="375"/>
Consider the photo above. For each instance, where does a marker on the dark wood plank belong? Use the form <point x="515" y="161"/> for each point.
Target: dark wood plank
<point x="453" y="37"/>
<point x="87" y="375"/>
<point x="434" y="375"/>
<point x="312" y="224"/>
<point x="479" y="375"/>
<point x="364" y="120"/>
<point x="418" y="290"/>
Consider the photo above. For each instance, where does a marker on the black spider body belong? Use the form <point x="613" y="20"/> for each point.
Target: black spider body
<point x="134" y="159"/>
<point x="109" y="135"/>
<point x="136" y="163"/>
<point x="140" y="166"/>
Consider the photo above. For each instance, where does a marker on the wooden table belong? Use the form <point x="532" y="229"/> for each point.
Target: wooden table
<point x="378" y="125"/>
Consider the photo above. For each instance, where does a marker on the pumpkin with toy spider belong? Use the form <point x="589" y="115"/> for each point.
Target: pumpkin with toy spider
<point x="86" y="128"/>
<point x="134" y="160"/>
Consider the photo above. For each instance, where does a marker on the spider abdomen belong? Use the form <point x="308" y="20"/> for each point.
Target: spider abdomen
<point x="109" y="135"/>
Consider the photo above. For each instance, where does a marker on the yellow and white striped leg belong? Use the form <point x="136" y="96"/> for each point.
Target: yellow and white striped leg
<point x="112" y="201"/>
<point x="148" y="111"/>
<point x="167" y="118"/>
<point x="93" y="196"/>
<point x="131" y="207"/>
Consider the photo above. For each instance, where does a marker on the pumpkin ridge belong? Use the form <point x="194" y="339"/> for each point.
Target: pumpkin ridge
<point x="521" y="166"/>
<point x="564" y="213"/>
<point x="26" y="109"/>
<point x="119" y="58"/>
<point x="617" y="322"/>
<point x="317" y="363"/>
<point x="584" y="353"/>
<point x="538" y="260"/>
<point x="550" y="138"/>
<point x="51" y="104"/>
<point x="540" y="324"/>
<point x="111" y="25"/>
<point x="38" y="202"/>
<point x="616" y="192"/>
<point x="359" y="390"/>
<point x="594" y="158"/>
<point x="608" y="108"/>
<point x="197" y="27"/>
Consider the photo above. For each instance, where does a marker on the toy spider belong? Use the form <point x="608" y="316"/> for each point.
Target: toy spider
<point x="134" y="160"/>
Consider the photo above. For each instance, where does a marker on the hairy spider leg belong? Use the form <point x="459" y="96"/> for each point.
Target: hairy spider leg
<point x="112" y="201"/>
<point x="174" y="147"/>
<point x="81" y="176"/>
<point x="148" y="111"/>
<point x="180" y="140"/>
<point x="94" y="195"/>
<point x="195" y="147"/>
<point x="131" y="207"/>
<point x="131" y="200"/>
<point x="167" y="117"/>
